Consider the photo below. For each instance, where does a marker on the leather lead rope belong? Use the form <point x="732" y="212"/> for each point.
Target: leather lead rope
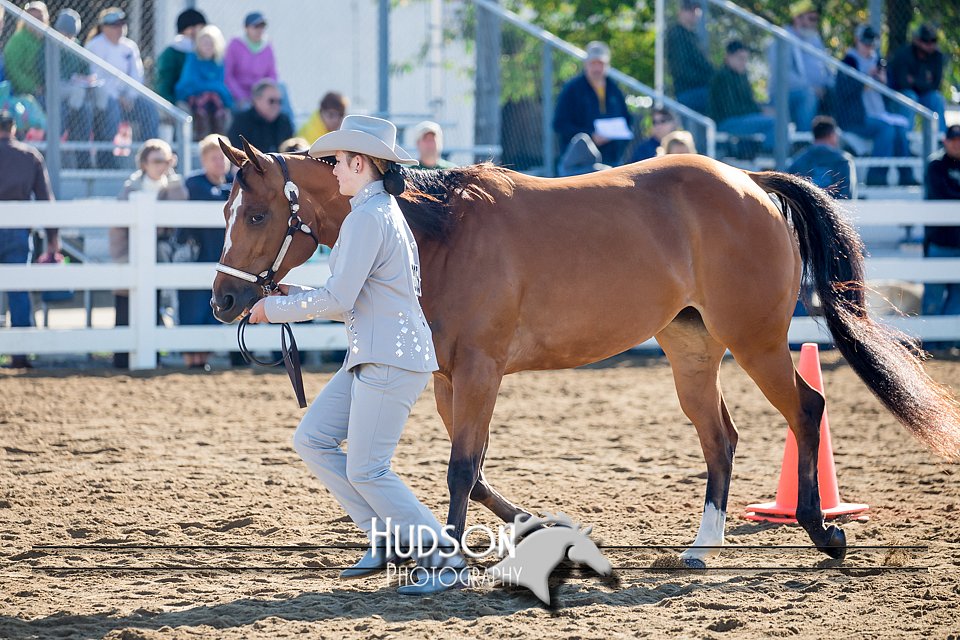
<point x="290" y="357"/>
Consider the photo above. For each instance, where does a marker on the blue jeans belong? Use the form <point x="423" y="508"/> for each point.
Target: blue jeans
<point x="15" y="249"/>
<point x="941" y="299"/>
<point x="803" y="107"/>
<point x="932" y="100"/>
<point x="750" y="124"/>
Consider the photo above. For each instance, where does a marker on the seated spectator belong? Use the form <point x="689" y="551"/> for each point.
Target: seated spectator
<point x="808" y="78"/>
<point x="732" y="103"/>
<point x="677" y="142"/>
<point x="263" y="124"/>
<point x="171" y="60"/>
<point x="662" y="123"/>
<point x="590" y="97"/>
<point x="212" y="183"/>
<point x="249" y="59"/>
<point x="861" y="109"/>
<point x="156" y="179"/>
<point x="23" y="177"/>
<point x="202" y="87"/>
<point x="78" y="89"/>
<point x="23" y="54"/>
<point x="581" y="156"/>
<point x="109" y="42"/>
<point x="689" y="67"/>
<point x="428" y="138"/>
<point x="825" y="164"/>
<point x="333" y="107"/>
<point x="294" y="145"/>
<point x="916" y="71"/>
<point x="942" y="182"/>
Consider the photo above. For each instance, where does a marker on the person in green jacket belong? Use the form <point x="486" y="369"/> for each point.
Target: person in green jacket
<point x="731" y="98"/>
<point x="171" y="60"/>
<point x="23" y="54"/>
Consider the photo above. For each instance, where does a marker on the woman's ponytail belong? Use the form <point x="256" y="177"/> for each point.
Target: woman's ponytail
<point x="393" y="182"/>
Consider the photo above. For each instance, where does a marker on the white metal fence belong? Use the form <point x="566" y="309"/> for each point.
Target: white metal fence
<point x="143" y="276"/>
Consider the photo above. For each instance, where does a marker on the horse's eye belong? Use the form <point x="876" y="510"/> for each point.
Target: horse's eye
<point x="257" y="218"/>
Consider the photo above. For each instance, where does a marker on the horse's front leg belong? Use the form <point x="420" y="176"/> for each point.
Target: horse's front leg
<point x="482" y="492"/>
<point x="476" y="381"/>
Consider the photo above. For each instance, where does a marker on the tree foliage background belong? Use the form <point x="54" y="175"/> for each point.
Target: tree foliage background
<point x="628" y="28"/>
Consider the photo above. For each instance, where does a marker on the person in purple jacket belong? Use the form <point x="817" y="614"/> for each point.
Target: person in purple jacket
<point x="249" y="59"/>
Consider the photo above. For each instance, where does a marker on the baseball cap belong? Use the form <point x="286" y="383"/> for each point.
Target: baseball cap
<point x="190" y="18"/>
<point x="690" y="5"/>
<point x="68" y="23"/>
<point x="802" y="7"/>
<point x="866" y="34"/>
<point x="734" y="46"/>
<point x="953" y="132"/>
<point x="6" y="118"/>
<point x="597" y="50"/>
<point x="113" y="17"/>
<point x="425" y="127"/>
<point x="253" y="18"/>
<point x="926" y="33"/>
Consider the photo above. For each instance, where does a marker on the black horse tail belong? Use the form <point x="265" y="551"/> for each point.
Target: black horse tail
<point x="888" y="361"/>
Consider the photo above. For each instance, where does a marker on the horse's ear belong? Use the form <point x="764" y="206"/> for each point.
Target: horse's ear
<point x="253" y="154"/>
<point x="586" y="530"/>
<point x="235" y="156"/>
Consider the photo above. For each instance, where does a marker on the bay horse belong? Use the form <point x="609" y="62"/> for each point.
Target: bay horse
<point x="525" y="273"/>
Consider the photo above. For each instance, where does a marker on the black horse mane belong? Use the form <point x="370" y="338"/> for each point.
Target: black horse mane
<point x="435" y="201"/>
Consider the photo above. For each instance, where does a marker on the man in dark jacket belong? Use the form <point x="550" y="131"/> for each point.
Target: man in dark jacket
<point x="732" y="103"/>
<point x="824" y="163"/>
<point x="689" y="67"/>
<point x="170" y="62"/>
<point x="589" y="97"/>
<point x="22" y="175"/>
<point x="943" y="183"/>
<point x="916" y="71"/>
<point x="263" y="124"/>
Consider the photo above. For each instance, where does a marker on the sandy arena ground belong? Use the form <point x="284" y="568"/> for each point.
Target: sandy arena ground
<point x="178" y="458"/>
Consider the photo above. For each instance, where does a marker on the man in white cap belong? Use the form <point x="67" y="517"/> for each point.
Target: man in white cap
<point x="590" y="97"/>
<point x="428" y="138"/>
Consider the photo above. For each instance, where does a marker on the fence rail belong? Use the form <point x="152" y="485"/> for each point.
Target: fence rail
<point x="143" y="276"/>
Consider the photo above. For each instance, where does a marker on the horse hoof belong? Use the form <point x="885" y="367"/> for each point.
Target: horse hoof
<point x="836" y="546"/>
<point x="694" y="563"/>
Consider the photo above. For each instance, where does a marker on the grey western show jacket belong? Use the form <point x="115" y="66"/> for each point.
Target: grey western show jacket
<point x="374" y="288"/>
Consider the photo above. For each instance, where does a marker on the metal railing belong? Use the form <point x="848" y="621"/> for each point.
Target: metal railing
<point x="551" y="43"/>
<point x="785" y="40"/>
<point x="54" y="43"/>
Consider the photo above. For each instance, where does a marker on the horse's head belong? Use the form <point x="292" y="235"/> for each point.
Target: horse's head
<point x="259" y="213"/>
<point x="585" y="551"/>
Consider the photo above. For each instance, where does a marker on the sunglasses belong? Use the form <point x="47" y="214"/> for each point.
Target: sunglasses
<point x="661" y="121"/>
<point x="273" y="101"/>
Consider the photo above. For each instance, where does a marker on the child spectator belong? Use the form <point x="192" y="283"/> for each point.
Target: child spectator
<point x="155" y="179"/>
<point x="679" y="141"/>
<point x="248" y="60"/>
<point x="202" y="86"/>
<point x="171" y="60"/>
<point x="333" y="107"/>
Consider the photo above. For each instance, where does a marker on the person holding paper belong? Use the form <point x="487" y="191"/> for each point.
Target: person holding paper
<point x="593" y="104"/>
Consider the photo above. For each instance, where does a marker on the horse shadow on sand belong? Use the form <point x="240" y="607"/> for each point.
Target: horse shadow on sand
<point x="344" y="604"/>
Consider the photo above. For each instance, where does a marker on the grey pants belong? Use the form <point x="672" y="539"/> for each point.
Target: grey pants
<point x="367" y="406"/>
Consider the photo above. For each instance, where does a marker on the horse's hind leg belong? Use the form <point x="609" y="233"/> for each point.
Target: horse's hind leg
<point x="771" y="367"/>
<point x="695" y="358"/>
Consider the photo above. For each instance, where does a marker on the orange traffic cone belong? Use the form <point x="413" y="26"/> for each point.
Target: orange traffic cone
<point x="784" y="509"/>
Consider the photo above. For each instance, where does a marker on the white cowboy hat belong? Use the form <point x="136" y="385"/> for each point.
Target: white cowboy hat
<point x="370" y="136"/>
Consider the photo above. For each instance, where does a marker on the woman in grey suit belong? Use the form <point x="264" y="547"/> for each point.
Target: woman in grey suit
<point x="373" y="288"/>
